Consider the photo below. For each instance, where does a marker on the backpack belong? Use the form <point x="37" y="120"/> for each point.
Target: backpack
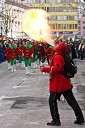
<point x="70" y="69"/>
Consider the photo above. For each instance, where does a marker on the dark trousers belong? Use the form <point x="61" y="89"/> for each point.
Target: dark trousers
<point x="70" y="100"/>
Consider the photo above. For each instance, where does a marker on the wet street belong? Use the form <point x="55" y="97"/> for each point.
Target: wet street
<point x="24" y="98"/>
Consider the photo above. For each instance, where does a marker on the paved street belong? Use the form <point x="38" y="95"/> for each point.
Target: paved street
<point x="24" y="98"/>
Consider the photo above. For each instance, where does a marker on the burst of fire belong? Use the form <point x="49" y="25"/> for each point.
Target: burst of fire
<point x="35" y="25"/>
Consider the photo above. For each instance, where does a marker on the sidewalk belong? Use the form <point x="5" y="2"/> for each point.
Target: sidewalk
<point x="26" y="105"/>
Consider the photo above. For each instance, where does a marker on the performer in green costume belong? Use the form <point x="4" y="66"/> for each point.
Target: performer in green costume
<point x="13" y="49"/>
<point x="28" y="54"/>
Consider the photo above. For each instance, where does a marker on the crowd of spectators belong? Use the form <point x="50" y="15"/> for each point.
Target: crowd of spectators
<point x="77" y="48"/>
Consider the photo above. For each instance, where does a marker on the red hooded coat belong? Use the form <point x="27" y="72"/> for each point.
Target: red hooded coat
<point x="58" y="82"/>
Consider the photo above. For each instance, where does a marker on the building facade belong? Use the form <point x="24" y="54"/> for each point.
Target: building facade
<point x="13" y="17"/>
<point x="82" y="24"/>
<point x="63" y="15"/>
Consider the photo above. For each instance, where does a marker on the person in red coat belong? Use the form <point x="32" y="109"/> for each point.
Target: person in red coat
<point x="21" y="53"/>
<point x="60" y="84"/>
<point x="11" y="55"/>
<point x="8" y="53"/>
<point x="28" y="54"/>
<point x="13" y="49"/>
<point x="36" y="54"/>
<point x="42" y="53"/>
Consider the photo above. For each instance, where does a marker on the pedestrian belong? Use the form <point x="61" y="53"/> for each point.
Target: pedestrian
<point x="81" y="51"/>
<point x="42" y="53"/>
<point x="71" y="45"/>
<point x="60" y="85"/>
<point x="84" y="52"/>
<point x="13" y="52"/>
<point x="21" y="53"/>
<point x="28" y="54"/>
<point x="11" y="56"/>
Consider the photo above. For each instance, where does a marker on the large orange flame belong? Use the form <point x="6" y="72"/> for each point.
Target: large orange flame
<point x="35" y="25"/>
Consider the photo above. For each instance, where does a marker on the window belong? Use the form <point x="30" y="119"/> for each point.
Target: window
<point x="84" y="33"/>
<point x="61" y="17"/>
<point x="42" y="1"/>
<point x="60" y="9"/>
<point x="72" y="26"/>
<point x="54" y="1"/>
<point x="49" y="1"/>
<point x="70" y="18"/>
<point x="65" y="1"/>
<point x="64" y="26"/>
<point x="59" y="1"/>
<point x="70" y="1"/>
<point x="49" y="9"/>
<point x="53" y="26"/>
<point x="53" y="17"/>
<point x="37" y="1"/>
<point x="64" y="17"/>
<point x="75" y="26"/>
<point x="59" y="26"/>
<point x="58" y="17"/>
<point x="31" y="1"/>
<point x="75" y="17"/>
<point x="83" y="27"/>
<point x="69" y="9"/>
<point x="53" y="10"/>
<point x="56" y="9"/>
<point x="65" y="9"/>
<point x="69" y="26"/>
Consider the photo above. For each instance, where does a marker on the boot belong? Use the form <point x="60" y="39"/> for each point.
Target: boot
<point x="54" y="123"/>
<point x="14" y="66"/>
<point x="9" y="66"/>
<point x="23" y="65"/>
<point x="79" y="121"/>
<point x="26" y="68"/>
<point x="34" y="66"/>
<point x="29" y="69"/>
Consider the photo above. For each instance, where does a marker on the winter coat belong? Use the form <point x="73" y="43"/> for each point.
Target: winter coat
<point x="20" y="50"/>
<point x="58" y="82"/>
<point x="27" y="52"/>
<point x="10" y="54"/>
